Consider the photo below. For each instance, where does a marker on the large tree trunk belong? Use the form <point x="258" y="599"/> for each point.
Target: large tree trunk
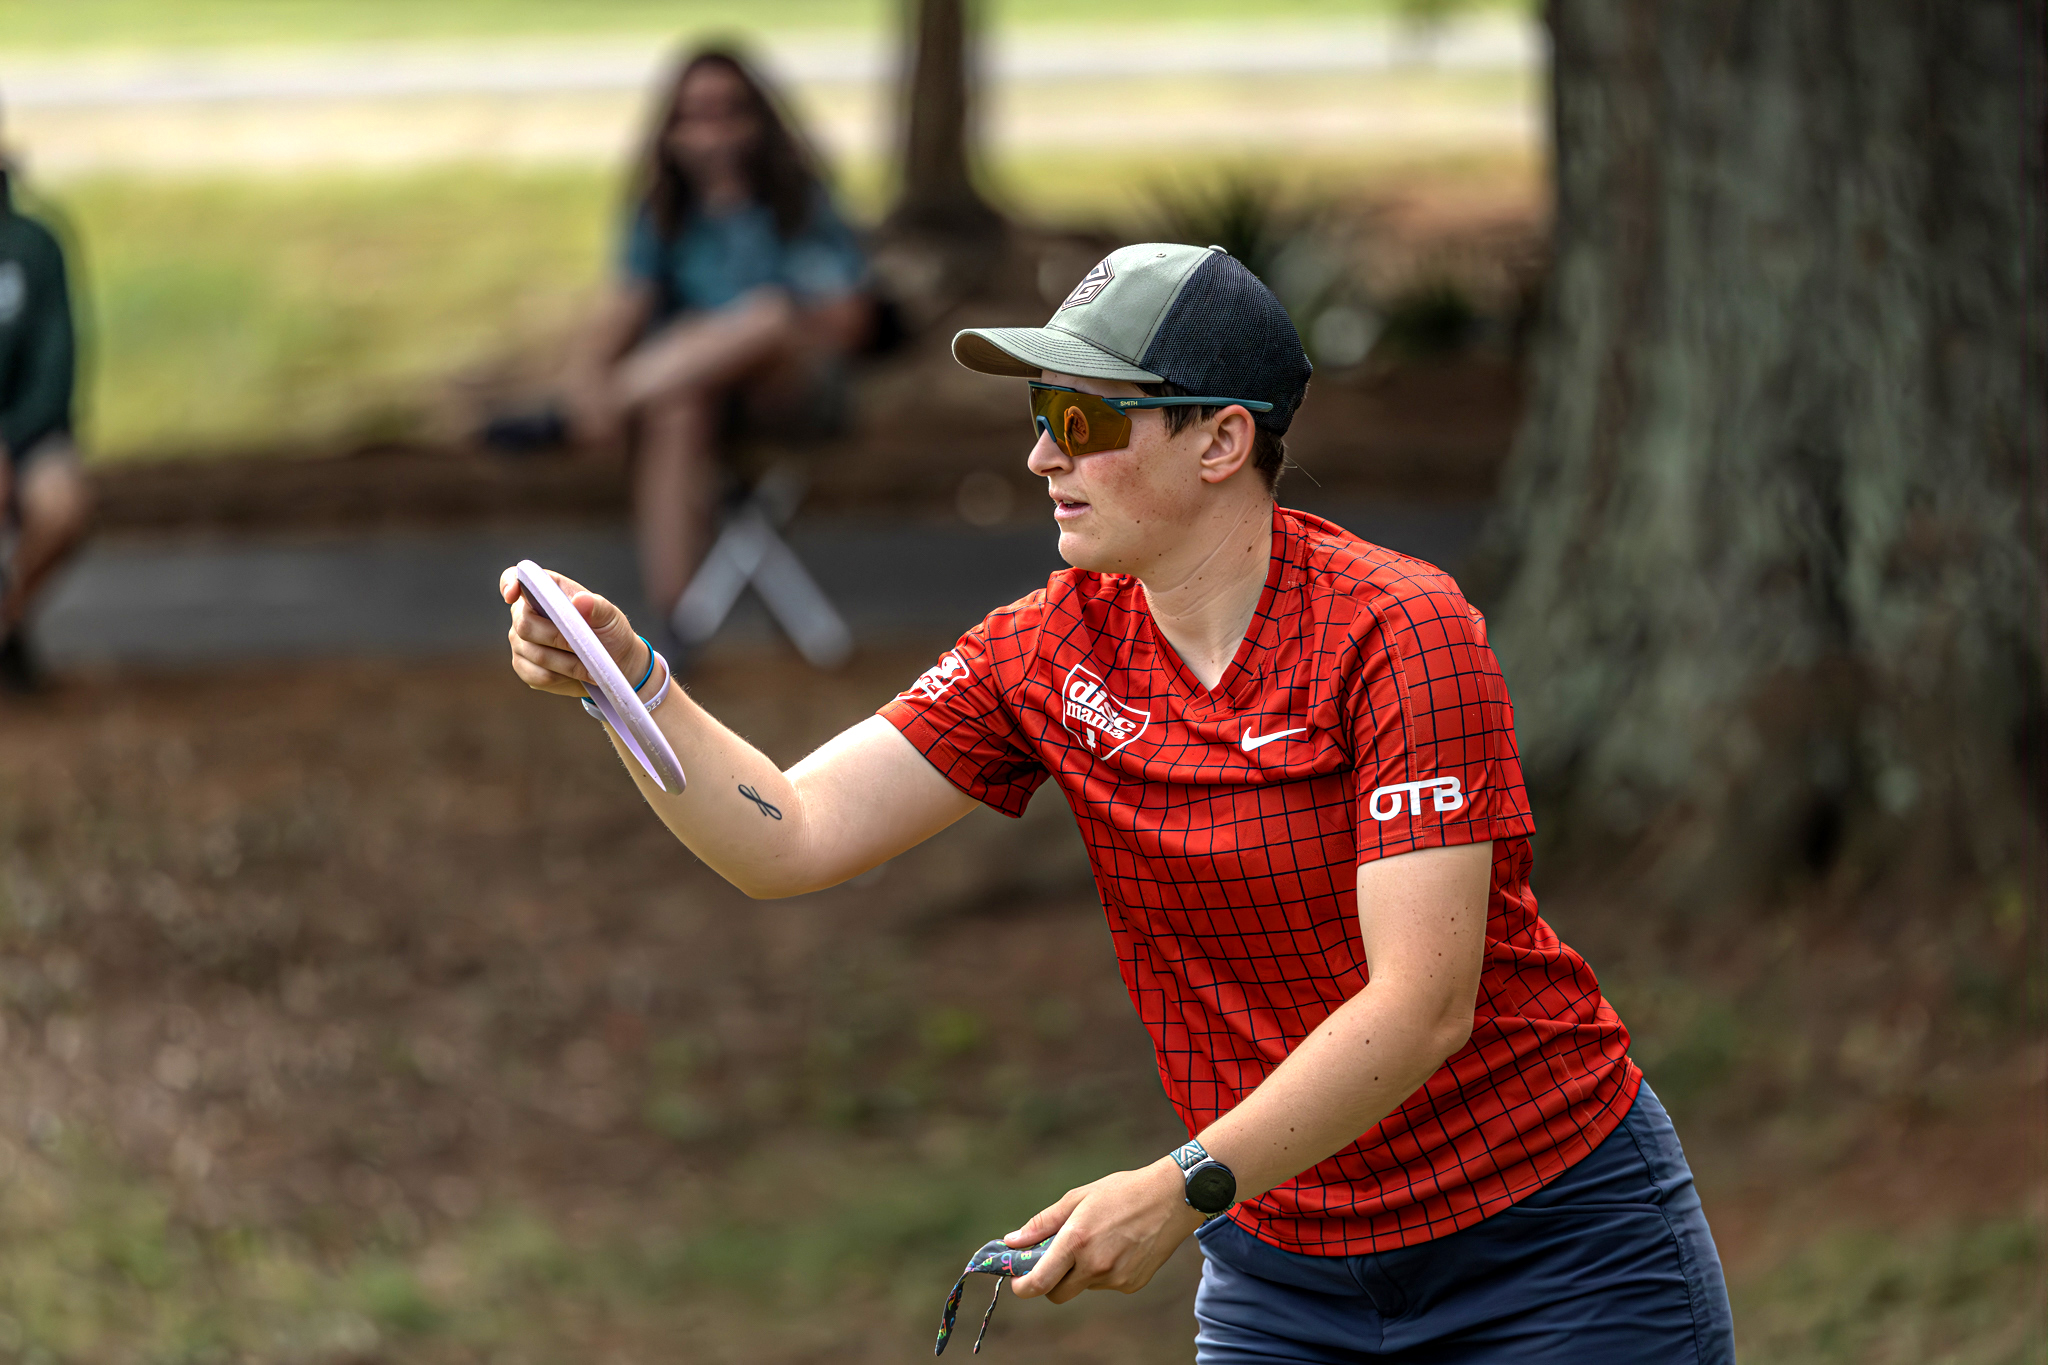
<point x="938" y="197"/>
<point x="1773" y="533"/>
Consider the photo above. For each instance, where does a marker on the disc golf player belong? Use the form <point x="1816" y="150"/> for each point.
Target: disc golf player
<point x="1292" y="757"/>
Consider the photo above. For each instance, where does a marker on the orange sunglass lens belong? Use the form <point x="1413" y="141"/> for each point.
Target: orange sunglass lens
<point x="1081" y="423"/>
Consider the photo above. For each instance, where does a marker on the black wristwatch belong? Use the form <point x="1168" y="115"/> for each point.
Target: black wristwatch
<point x="1206" y="1183"/>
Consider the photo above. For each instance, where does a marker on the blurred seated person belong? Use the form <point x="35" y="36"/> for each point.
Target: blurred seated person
<point x="738" y="302"/>
<point x="44" y="503"/>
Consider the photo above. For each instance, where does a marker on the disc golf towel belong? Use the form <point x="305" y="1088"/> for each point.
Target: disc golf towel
<point x="994" y="1259"/>
<point x="610" y="693"/>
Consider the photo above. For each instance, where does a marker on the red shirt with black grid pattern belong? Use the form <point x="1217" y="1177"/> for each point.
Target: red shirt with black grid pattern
<point x="1363" y="716"/>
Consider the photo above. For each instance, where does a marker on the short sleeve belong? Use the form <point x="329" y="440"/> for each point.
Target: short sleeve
<point x="640" y="252"/>
<point x="824" y="261"/>
<point x="1432" y="729"/>
<point x="955" y="714"/>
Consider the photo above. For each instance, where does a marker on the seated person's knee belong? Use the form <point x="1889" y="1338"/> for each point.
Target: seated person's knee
<point x="56" y="500"/>
<point x="681" y="404"/>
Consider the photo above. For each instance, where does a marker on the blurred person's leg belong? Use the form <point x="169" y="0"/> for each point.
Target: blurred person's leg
<point x="675" y="488"/>
<point x="54" y="509"/>
<point x="706" y="349"/>
<point x="46" y="495"/>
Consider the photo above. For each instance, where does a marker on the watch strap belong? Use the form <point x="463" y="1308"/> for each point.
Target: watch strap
<point x="1207" y="1184"/>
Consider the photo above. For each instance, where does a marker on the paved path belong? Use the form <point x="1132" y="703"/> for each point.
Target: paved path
<point x="166" y="602"/>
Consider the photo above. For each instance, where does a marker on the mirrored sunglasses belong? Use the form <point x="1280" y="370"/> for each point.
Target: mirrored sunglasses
<point x="1088" y="424"/>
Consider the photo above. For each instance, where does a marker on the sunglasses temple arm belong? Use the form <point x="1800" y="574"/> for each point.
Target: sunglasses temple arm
<point x="1252" y="404"/>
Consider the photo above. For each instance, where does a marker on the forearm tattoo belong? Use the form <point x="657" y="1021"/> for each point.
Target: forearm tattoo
<point x="755" y="797"/>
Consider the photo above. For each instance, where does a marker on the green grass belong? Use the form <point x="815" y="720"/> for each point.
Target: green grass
<point x="32" y="24"/>
<point x="98" y="1261"/>
<point x="235" y="314"/>
<point x="286" y="313"/>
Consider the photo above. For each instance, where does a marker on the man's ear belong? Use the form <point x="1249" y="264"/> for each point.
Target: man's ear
<point x="1230" y="444"/>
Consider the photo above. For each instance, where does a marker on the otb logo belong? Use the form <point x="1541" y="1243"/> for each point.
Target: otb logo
<point x="1444" y="792"/>
<point x="1089" y="711"/>
<point x="1092" y="284"/>
<point x="938" y="680"/>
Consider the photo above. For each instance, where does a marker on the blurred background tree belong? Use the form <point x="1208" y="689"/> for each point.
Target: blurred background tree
<point x="1773" y="531"/>
<point x="939" y="200"/>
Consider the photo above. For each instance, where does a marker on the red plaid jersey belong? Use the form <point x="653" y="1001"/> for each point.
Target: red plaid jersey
<point x="1363" y="716"/>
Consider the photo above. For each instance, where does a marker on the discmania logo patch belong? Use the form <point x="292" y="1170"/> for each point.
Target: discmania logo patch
<point x="938" y="680"/>
<point x="1103" y="723"/>
<point x="1092" y="284"/>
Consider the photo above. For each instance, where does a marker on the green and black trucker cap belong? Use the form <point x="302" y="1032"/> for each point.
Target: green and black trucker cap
<point x="1156" y="311"/>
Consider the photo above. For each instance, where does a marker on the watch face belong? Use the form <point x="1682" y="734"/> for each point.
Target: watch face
<point x="1211" y="1187"/>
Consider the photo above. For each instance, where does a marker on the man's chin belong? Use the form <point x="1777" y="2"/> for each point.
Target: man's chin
<point x="1081" y="552"/>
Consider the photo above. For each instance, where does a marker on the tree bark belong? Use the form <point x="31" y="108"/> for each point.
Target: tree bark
<point x="939" y="198"/>
<point x="1772" y="535"/>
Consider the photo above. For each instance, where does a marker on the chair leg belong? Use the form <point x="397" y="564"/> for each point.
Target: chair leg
<point x="749" y="551"/>
<point x="720" y="579"/>
<point x="796" y="601"/>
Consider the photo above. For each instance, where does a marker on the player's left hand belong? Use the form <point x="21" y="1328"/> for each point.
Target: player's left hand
<point x="541" y="656"/>
<point x="1113" y="1234"/>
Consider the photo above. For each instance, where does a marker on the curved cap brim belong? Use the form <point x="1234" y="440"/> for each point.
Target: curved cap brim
<point x="1021" y="352"/>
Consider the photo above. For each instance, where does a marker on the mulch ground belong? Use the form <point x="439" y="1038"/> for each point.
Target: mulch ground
<point x="355" y="959"/>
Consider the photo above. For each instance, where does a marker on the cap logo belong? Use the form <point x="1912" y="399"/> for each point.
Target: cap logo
<point x="1091" y="285"/>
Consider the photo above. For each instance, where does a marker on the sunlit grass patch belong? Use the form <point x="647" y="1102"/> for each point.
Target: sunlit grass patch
<point x="170" y="23"/>
<point x="230" y="314"/>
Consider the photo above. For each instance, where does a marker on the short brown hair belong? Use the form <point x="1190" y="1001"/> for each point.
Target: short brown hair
<point x="1269" y="449"/>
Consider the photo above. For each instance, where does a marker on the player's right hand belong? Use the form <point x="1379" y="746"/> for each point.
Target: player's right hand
<point x="543" y="659"/>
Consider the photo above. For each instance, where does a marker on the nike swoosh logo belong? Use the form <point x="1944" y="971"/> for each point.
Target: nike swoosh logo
<point x="1252" y="741"/>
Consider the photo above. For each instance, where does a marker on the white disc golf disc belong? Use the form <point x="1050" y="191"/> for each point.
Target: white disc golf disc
<point x="613" y="696"/>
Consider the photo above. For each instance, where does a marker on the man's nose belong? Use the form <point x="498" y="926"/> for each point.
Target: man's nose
<point x="1046" y="457"/>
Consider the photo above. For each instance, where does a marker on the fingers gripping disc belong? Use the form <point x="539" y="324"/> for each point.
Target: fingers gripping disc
<point x="609" y="691"/>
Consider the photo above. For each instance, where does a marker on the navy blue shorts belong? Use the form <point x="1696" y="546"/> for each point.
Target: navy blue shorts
<point x="1611" y="1262"/>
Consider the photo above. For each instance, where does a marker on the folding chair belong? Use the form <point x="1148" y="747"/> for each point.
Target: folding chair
<point x="750" y="550"/>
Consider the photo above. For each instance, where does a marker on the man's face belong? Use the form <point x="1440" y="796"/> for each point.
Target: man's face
<point x="1119" y="511"/>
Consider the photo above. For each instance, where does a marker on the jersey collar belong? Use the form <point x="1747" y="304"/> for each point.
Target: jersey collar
<point x="1240" y="679"/>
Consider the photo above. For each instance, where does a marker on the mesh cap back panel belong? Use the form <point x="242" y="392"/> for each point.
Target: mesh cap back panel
<point x="1227" y="335"/>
